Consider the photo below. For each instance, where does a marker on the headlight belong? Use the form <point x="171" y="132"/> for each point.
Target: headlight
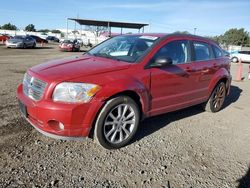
<point x="75" y="92"/>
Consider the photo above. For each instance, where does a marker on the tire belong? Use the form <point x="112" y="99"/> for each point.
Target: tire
<point x="217" y="98"/>
<point x="111" y="131"/>
<point x="34" y="45"/>
<point x="235" y="59"/>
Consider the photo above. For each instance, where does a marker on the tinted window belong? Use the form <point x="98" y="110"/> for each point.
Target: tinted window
<point x="202" y="52"/>
<point x="217" y="52"/>
<point x="176" y="50"/>
<point x="244" y="52"/>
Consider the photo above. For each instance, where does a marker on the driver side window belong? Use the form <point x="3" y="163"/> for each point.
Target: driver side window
<point x="176" y="50"/>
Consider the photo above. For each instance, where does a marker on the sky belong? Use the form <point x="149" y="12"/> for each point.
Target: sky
<point x="210" y="17"/>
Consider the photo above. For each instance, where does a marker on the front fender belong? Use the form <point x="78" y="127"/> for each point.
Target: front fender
<point x="125" y="85"/>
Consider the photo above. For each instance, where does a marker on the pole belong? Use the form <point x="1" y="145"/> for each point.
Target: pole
<point x="195" y="30"/>
<point x="143" y="29"/>
<point x="67" y="28"/>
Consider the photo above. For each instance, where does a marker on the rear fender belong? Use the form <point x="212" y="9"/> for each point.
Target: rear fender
<point x="221" y="74"/>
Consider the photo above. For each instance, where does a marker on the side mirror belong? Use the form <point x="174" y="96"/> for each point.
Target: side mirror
<point x="162" y="61"/>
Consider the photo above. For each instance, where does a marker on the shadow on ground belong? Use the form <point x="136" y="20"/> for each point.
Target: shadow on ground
<point x="244" y="182"/>
<point x="153" y="124"/>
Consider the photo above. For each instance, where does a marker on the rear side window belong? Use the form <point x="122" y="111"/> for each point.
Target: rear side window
<point x="202" y="52"/>
<point x="244" y="52"/>
<point x="217" y="52"/>
<point x="176" y="50"/>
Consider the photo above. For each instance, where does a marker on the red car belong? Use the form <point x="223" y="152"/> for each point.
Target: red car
<point x="3" y="38"/>
<point x="115" y="85"/>
<point x="70" y="46"/>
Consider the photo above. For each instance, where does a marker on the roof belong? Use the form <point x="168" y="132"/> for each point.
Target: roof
<point x="109" y="23"/>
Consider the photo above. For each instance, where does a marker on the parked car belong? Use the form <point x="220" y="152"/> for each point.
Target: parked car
<point x="243" y="55"/>
<point x="108" y="95"/>
<point x="4" y="37"/>
<point x="20" y="41"/>
<point x="70" y="46"/>
<point x="52" y="39"/>
<point x="38" y="39"/>
<point x="80" y="41"/>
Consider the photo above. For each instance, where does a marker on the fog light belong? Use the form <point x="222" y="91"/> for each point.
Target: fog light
<point x="56" y="125"/>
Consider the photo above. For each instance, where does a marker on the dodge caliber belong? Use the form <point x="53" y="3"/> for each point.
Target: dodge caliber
<point x="106" y="92"/>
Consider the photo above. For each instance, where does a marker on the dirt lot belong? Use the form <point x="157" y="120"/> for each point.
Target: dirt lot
<point x="188" y="148"/>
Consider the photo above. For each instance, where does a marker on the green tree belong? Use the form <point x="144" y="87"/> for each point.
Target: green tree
<point x="181" y="32"/>
<point x="44" y="30"/>
<point x="9" y="26"/>
<point x="55" y="31"/>
<point x="235" y="36"/>
<point x="30" y="27"/>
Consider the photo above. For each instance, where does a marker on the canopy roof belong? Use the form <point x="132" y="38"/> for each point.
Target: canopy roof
<point x="109" y="23"/>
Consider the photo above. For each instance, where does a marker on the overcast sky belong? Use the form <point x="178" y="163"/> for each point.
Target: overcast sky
<point x="208" y="16"/>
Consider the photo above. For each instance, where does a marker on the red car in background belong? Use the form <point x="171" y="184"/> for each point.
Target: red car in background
<point x="110" y="89"/>
<point x="3" y="37"/>
<point x="38" y="39"/>
<point x="70" y="46"/>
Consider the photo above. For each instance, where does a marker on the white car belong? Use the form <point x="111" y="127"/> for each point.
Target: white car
<point x="243" y="55"/>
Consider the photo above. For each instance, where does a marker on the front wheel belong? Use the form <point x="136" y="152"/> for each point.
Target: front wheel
<point x="117" y="123"/>
<point x="216" y="100"/>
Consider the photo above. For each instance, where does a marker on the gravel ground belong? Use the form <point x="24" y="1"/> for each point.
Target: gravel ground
<point x="187" y="148"/>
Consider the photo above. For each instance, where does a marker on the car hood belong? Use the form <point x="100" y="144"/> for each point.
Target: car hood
<point x="74" y="67"/>
<point x="15" y="40"/>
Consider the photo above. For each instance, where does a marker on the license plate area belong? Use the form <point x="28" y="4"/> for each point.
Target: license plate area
<point x="23" y="108"/>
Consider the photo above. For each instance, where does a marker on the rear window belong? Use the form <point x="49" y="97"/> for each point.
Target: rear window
<point x="202" y="52"/>
<point x="217" y="52"/>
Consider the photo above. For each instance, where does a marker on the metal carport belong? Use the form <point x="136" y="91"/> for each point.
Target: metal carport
<point x="109" y="24"/>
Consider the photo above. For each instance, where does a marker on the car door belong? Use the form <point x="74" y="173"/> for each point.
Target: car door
<point x="171" y="85"/>
<point x="205" y="65"/>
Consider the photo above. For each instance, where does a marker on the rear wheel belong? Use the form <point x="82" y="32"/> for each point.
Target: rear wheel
<point x="217" y="98"/>
<point x="235" y="59"/>
<point x="117" y="123"/>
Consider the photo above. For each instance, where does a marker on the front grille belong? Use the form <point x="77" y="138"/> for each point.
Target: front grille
<point x="33" y="87"/>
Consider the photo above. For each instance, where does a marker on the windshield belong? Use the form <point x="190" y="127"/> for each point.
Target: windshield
<point x="124" y="48"/>
<point x="19" y="37"/>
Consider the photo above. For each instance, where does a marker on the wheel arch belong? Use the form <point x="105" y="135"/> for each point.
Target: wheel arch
<point x="220" y="76"/>
<point x="130" y="93"/>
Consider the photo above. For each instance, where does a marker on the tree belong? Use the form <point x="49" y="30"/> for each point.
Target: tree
<point x="235" y="36"/>
<point x="44" y="30"/>
<point x="30" y="27"/>
<point x="181" y="32"/>
<point x="97" y="30"/>
<point x="9" y="26"/>
<point x="55" y="31"/>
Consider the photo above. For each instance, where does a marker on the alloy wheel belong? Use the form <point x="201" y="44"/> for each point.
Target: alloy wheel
<point x="219" y="97"/>
<point x="119" y="123"/>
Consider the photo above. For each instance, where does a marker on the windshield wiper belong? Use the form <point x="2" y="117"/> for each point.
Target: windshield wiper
<point x="106" y="56"/>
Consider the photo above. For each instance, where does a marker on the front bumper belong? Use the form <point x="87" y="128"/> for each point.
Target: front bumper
<point x="77" y="119"/>
<point x="14" y="45"/>
<point x="66" y="49"/>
